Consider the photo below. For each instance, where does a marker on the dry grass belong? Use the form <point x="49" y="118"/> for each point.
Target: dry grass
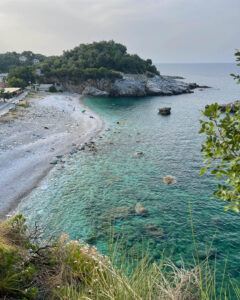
<point x="71" y="270"/>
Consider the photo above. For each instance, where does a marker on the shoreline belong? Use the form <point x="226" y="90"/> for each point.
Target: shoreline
<point x="37" y="138"/>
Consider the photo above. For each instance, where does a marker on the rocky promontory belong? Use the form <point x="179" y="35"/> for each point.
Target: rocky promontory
<point x="133" y="85"/>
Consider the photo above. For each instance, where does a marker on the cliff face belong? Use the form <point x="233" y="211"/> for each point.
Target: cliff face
<point x="132" y="85"/>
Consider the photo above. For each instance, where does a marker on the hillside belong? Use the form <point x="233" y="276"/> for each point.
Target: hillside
<point x="100" y="69"/>
<point x="104" y="59"/>
<point x="11" y="60"/>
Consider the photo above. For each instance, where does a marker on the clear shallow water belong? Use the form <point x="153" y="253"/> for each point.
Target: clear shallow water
<point x="96" y="192"/>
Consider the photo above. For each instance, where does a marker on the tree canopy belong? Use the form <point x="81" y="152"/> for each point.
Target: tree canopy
<point x="98" y="60"/>
<point x="21" y="76"/>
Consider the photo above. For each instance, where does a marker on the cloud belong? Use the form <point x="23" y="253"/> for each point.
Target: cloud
<point x="165" y="30"/>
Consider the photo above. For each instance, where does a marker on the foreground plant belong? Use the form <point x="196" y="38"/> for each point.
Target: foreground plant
<point x="65" y="269"/>
<point x="221" y="150"/>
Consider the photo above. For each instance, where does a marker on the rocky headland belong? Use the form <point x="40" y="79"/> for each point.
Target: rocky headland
<point x="133" y="85"/>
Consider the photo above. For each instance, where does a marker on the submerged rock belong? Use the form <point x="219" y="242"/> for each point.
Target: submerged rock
<point x="165" y="111"/>
<point x="153" y="231"/>
<point x="140" y="210"/>
<point x="119" y="213"/>
<point x="207" y="254"/>
<point x="169" y="179"/>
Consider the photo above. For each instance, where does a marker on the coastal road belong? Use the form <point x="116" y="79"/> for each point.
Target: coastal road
<point x="11" y="103"/>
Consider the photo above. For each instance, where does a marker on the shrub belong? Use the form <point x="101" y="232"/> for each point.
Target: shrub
<point x="52" y="89"/>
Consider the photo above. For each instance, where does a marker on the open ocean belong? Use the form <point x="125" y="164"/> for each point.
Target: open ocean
<point x="95" y="193"/>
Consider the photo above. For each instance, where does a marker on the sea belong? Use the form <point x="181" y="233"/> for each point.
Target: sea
<point x="93" y="198"/>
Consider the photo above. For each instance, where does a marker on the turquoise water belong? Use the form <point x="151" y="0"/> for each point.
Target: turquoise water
<point x="98" y="192"/>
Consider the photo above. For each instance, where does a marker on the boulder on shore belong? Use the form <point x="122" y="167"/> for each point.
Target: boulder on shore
<point x="165" y="111"/>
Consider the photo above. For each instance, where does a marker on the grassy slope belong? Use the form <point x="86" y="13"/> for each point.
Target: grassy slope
<point x="72" y="270"/>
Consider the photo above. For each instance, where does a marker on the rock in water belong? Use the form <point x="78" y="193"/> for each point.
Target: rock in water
<point x="165" y="111"/>
<point x="140" y="210"/>
<point x="169" y="179"/>
<point x="153" y="231"/>
<point x="138" y="154"/>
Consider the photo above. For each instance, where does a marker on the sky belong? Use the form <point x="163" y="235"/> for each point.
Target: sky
<point x="164" y="30"/>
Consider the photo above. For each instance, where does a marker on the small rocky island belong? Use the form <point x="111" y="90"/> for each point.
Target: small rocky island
<point x="104" y="69"/>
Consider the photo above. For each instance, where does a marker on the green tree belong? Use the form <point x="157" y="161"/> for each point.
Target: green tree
<point x="17" y="82"/>
<point x="21" y="76"/>
<point x="97" y="60"/>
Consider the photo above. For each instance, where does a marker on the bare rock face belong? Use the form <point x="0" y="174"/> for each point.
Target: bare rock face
<point x="133" y="85"/>
<point x="93" y="91"/>
<point x="129" y="85"/>
<point x="166" y="86"/>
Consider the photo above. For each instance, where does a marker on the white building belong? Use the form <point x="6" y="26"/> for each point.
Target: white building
<point x="23" y="58"/>
<point x="36" y="61"/>
<point x="38" y="72"/>
<point x="3" y="76"/>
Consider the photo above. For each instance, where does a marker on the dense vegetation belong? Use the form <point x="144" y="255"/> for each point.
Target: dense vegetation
<point x="97" y="60"/>
<point x="22" y="76"/>
<point x="65" y="269"/>
<point x="88" y="61"/>
<point x="11" y="60"/>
